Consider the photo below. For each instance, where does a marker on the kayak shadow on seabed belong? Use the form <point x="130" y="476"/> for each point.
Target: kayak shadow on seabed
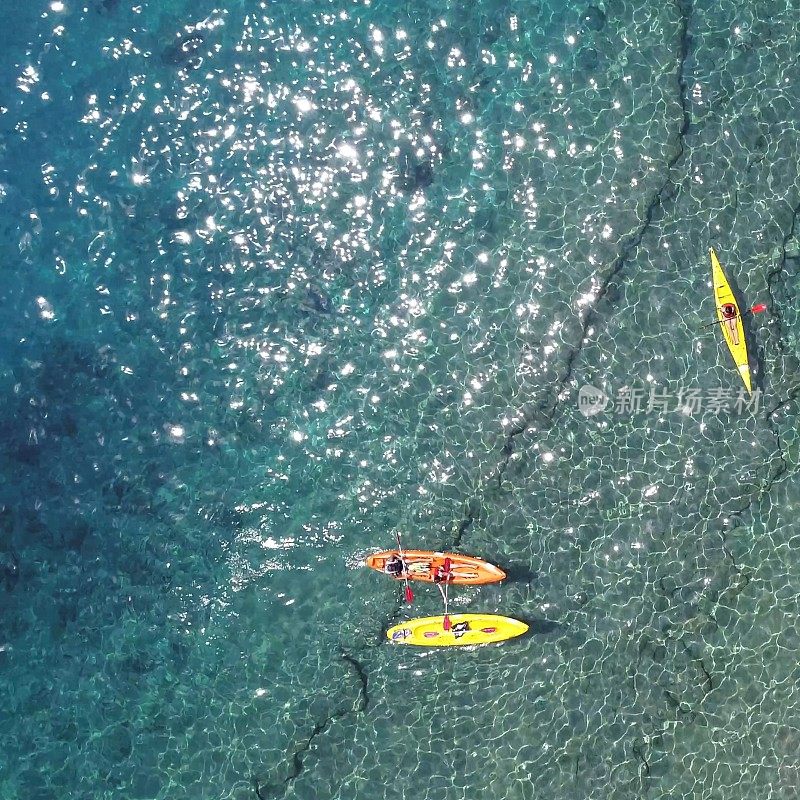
<point x="539" y="626"/>
<point x="520" y="574"/>
<point x="524" y="575"/>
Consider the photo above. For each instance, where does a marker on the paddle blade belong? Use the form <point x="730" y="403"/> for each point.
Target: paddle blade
<point x="409" y="594"/>
<point x="447" y="564"/>
<point x="758" y="308"/>
<point x="446" y="624"/>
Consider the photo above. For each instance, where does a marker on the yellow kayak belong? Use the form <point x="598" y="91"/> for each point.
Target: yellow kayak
<point x="465" y="629"/>
<point x="732" y="329"/>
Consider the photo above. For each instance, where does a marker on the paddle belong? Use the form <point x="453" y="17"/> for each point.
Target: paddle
<point x="756" y="309"/>
<point x="446" y="570"/>
<point x="409" y="594"/>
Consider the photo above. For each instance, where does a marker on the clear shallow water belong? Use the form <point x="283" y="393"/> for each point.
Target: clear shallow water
<point x="279" y="280"/>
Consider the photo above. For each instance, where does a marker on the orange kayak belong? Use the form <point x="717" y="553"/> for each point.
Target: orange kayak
<point x="422" y="564"/>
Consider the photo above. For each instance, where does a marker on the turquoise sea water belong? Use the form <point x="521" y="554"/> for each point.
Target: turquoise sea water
<point x="280" y="279"/>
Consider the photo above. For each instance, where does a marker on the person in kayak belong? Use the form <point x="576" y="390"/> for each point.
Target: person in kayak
<point x="442" y="575"/>
<point x="729" y="317"/>
<point x="394" y="566"/>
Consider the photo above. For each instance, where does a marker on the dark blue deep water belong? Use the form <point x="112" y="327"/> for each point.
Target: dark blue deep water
<point x="280" y="279"/>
